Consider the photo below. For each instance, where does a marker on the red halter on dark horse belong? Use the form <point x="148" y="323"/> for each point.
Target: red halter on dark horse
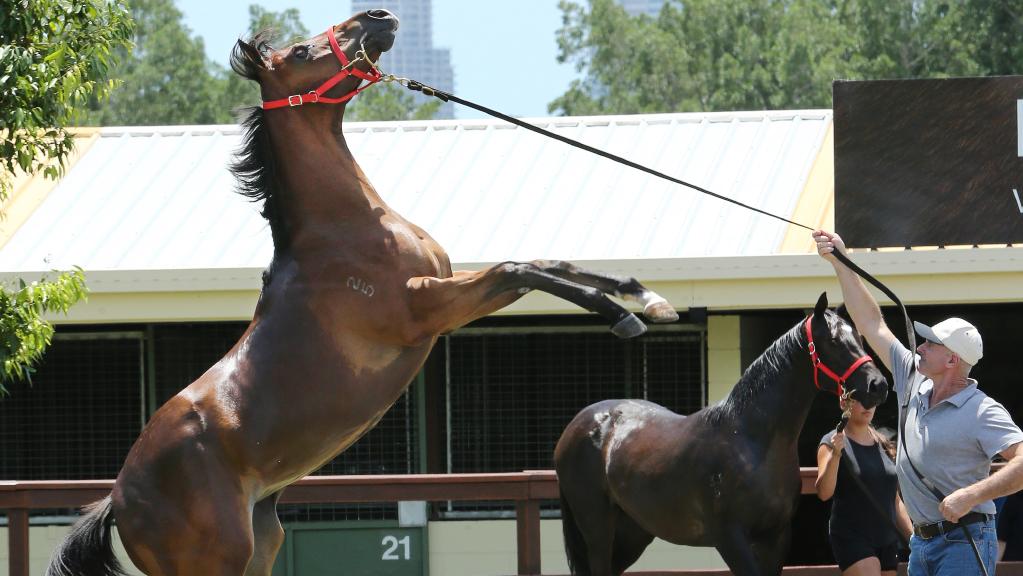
<point x="726" y="476"/>
<point x="321" y="361"/>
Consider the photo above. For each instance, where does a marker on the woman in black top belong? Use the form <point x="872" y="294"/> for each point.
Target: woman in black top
<point x="862" y="542"/>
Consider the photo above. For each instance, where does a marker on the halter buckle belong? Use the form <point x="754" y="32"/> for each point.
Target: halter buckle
<point x="310" y="97"/>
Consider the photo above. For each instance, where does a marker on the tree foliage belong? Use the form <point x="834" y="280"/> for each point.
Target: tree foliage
<point x="24" y="335"/>
<point x="166" y="78"/>
<point x="54" y="57"/>
<point x="773" y="54"/>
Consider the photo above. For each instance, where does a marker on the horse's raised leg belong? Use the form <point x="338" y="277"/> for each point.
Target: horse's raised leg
<point x="268" y="536"/>
<point x="656" y="308"/>
<point x="441" y="305"/>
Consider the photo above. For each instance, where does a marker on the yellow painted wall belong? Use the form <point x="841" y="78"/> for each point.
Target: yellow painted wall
<point x="723" y="356"/>
<point x="487" y="548"/>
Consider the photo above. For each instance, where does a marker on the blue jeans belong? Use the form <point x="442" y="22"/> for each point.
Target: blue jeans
<point x="950" y="554"/>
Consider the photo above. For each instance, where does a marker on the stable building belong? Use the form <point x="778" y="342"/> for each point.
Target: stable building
<point x="173" y="259"/>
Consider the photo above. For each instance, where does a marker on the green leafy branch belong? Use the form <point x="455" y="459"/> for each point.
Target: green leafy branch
<point x="24" y="333"/>
<point x="54" y="56"/>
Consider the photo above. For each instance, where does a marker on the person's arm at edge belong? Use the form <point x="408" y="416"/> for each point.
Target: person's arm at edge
<point x="862" y="307"/>
<point x="828" y="458"/>
<point x="1002" y="483"/>
<point x="902" y="520"/>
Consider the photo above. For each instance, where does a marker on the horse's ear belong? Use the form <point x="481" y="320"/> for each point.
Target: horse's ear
<point x="844" y="313"/>
<point x="249" y="50"/>
<point x="247" y="60"/>
<point x="822" y="305"/>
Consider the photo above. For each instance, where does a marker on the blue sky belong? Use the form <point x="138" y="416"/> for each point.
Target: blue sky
<point x="503" y="53"/>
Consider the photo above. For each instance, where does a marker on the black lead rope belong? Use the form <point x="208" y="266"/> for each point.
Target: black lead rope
<point x="910" y="333"/>
<point x="446" y="97"/>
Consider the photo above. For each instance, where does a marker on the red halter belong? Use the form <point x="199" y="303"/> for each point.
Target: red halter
<point x="818" y="365"/>
<point x="313" y="96"/>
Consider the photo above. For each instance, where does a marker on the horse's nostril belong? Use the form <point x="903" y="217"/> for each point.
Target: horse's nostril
<point x="379" y="13"/>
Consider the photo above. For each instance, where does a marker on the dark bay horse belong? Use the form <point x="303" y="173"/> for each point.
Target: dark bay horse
<point x="351" y="304"/>
<point x="726" y="476"/>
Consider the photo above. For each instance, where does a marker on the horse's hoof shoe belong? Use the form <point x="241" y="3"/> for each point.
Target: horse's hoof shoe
<point x="629" y="327"/>
<point x="660" y="311"/>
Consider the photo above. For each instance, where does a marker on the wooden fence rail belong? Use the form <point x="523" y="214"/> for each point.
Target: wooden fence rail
<point x="526" y="489"/>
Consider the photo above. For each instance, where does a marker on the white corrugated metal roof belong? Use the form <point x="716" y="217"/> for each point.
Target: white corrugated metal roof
<point x="162" y="198"/>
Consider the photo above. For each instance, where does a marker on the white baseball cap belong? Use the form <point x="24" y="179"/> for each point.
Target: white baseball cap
<point x="957" y="335"/>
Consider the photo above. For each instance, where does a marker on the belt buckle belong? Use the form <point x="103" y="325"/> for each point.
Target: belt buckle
<point x="928" y="531"/>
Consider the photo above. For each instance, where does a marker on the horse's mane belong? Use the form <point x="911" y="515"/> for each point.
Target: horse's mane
<point x="255" y="167"/>
<point x="759" y="376"/>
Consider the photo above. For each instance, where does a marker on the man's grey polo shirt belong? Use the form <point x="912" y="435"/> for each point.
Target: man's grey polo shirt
<point x="951" y="444"/>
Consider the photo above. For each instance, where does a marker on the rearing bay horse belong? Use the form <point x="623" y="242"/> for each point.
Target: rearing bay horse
<point x="726" y="476"/>
<point x="352" y="302"/>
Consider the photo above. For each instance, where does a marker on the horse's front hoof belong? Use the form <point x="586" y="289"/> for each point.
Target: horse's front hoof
<point x="660" y="311"/>
<point x="629" y="327"/>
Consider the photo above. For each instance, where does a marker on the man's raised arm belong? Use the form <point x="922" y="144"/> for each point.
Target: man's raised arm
<point x="862" y="307"/>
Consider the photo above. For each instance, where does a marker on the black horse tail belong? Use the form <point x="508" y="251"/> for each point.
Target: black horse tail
<point x="88" y="550"/>
<point x="575" y="546"/>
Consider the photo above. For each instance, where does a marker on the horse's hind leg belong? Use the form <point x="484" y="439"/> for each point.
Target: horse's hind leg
<point x="630" y="541"/>
<point x="770" y="549"/>
<point x="589" y="507"/>
<point x="441" y="305"/>
<point x="656" y="308"/>
<point x="268" y="536"/>
<point x="199" y="524"/>
<point x="597" y="522"/>
<point x="203" y="541"/>
<point x="736" y="550"/>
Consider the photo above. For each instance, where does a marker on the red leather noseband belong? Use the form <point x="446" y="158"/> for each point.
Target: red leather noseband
<point x="314" y="96"/>
<point x="819" y="366"/>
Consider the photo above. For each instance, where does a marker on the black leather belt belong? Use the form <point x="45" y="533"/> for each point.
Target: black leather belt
<point x="928" y="531"/>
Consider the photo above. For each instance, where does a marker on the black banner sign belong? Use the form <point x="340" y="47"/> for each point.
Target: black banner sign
<point x="929" y="162"/>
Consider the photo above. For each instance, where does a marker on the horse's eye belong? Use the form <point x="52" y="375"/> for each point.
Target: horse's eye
<point x="301" y="52"/>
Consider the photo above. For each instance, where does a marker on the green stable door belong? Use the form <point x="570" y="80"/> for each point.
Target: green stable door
<point x="365" y="548"/>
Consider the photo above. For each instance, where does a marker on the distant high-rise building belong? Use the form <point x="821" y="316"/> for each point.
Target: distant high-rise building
<point x="637" y="7"/>
<point x="413" y="55"/>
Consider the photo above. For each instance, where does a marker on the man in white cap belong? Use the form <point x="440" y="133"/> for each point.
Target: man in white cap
<point x="952" y="431"/>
